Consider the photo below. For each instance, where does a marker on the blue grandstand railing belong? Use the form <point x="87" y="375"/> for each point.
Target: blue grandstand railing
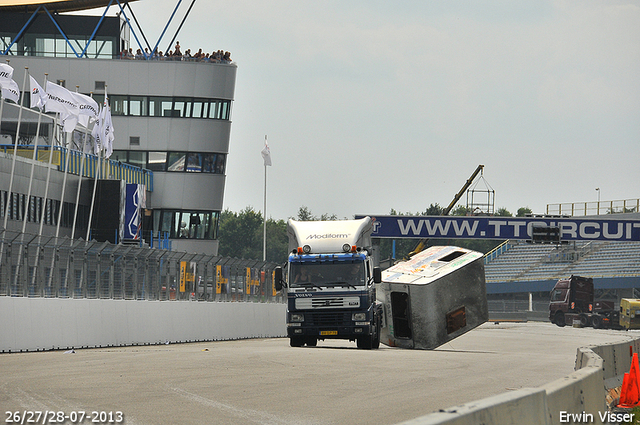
<point x="495" y="252"/>
<point x="110" y="169"/>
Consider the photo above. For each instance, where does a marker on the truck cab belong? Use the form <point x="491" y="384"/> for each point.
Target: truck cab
<point x="571" y="298"/>
<point x="572" y="301"/>
<point x="630" y="313"/>
<point x="330" y="283"/>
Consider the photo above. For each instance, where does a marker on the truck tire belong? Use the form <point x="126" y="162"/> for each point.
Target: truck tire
<point x="584" y="320"/>
<point x="365" y="342"/>
<point x="596" y="322"/>
<point x="376" y="339"/>
<point x="559" y="319"/>
<point x="311" y="341"/>
<point x="296" y="341"/>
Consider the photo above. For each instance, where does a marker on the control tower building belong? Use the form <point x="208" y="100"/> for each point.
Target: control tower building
<point x="171" y="119"/>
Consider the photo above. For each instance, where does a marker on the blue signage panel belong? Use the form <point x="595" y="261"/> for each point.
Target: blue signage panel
<point x="495" y="227"/>
<point x="132" y="218"/>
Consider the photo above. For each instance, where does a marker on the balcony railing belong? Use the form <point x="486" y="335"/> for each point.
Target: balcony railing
<point x="109" y="168"/>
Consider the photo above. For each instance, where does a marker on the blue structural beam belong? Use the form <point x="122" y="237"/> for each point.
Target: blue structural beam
<point x="496" y="227"/>
<point x="76" y="5"/>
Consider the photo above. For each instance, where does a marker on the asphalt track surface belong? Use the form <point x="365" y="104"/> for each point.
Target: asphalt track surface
<point x="264" y="381"/>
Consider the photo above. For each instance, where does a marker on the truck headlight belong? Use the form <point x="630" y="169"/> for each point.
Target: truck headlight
<point x="297" y="317"/>
<point x="359" y="316"/>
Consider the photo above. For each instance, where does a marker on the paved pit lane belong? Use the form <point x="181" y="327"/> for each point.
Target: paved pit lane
<point x="264" y="381"/>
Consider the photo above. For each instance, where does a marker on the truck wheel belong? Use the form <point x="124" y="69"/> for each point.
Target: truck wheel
<point x="584" y="320"/>
<point x="559" y="319"/>
<point x="311" y="341"/>
<point x="365" y="342"/>
<point x="376" y="340"/>
<point x="296" y="341"/>
<point x="596" y="322"/>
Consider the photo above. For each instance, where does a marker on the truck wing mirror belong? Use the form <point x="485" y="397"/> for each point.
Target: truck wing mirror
<point x="277" y="278"/>
<point x="377" y="275"/>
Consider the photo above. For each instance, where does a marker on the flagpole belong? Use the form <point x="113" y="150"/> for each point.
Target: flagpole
<point x="64" y="180"/>
<point x="44" y="204"/>
<point x="34" y="158"/>
<point x="2" y="105"/>
<point x="75" y="213"/>
<point x="15" y="151"/>
<point x="46" y="186"/>
<point x="264" y="218"/>
<point x="13" y="167"/>
<point x="99" y="135"/>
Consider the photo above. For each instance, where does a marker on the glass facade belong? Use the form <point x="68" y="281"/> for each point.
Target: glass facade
<point x="166" y="106"/>
<point x="185" y="224"/>
<point x="190" y="162"/>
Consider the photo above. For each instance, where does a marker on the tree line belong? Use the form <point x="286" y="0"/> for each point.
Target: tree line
<point x="240" y="234"/>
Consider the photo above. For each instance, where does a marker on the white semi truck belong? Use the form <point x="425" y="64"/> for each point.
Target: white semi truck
<point x="335" y="292"/>
<point x="330" y="282"/>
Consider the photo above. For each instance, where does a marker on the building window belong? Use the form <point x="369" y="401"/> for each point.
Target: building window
<point x="137" y="158"/>
<point x="157" y="161"/>
<point x="176" y="161"/>
<point x="138" y="106"/>
<point x="174" y="107"/>
<point x="185" y="224"/>
<point x="194" y="162"/>
<point x="134" y="141"/>
<point x="191" y="162"/>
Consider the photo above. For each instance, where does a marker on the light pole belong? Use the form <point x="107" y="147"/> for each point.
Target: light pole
<point x="598" y="204"/>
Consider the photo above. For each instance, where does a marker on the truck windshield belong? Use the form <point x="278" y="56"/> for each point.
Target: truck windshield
<point x="326" y="274"/>
<point x="558" y="294"/>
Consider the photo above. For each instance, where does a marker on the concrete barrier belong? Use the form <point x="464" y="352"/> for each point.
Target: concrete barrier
<point x="32" y="324"/>
<point x="525" y="406"/>
<point x="576" y="398"/>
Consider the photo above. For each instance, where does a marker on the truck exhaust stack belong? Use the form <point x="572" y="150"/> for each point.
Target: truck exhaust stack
<point x="436" y="296"/>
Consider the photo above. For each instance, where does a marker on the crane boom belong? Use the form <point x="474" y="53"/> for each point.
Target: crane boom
<point x="468" y="183"/>
<point x="448" y="209"/>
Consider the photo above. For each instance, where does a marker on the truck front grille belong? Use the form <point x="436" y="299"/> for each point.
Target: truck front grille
<point x="327" y="302"/>
<point x="328" y="318"/>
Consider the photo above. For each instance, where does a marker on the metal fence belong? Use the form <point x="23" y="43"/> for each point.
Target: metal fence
<point x="50" y="267"/>
<point x="512" y="306"/>
<point x="595" y="207"/>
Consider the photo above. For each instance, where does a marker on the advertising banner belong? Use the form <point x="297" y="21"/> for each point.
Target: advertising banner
<point x="222" y="279"/>
<point x="496" y="227"/>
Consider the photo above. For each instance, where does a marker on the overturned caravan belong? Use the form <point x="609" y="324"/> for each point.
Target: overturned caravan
<point x="436" y="296"/>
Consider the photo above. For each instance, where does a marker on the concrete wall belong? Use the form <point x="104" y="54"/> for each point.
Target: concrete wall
<point x="31" y="324"/>
<point x="583" y="393"/>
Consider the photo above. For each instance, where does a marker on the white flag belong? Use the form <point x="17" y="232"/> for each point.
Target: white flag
<point x="95" y="133"/>
<point x="266" y="154"/>
<point x="87" y="108"/>
<point x="109" y="135"/>
<point x="38" y="96"/>
<point x="61" y="100"/>
<point x="6" y="72"/>
<point x="103" y="132"/>
<point x="10" y="89"/>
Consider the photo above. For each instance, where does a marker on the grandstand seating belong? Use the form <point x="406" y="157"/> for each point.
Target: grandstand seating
<point x="526" y="262"/>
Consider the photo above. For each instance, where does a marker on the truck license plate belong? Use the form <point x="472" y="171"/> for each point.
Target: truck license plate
<point x="328" y="332"/>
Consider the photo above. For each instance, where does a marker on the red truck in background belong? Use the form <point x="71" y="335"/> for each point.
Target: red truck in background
<point x="572" y="299"/>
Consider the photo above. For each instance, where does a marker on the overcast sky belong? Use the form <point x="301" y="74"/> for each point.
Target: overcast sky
<point x="374" y="105"/>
